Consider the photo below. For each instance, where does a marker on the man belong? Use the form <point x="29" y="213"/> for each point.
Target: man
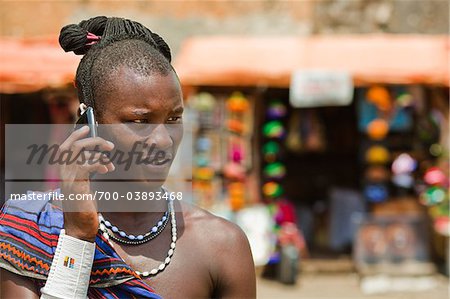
<point x="126" y="77"/>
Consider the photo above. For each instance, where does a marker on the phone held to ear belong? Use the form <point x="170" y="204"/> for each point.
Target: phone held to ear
<point x="88" y="118"/>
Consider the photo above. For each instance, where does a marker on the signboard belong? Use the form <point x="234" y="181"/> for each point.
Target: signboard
<point x="317" y="88"/>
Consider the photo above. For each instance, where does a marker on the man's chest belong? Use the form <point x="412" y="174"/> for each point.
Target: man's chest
<point x="186" y="276"/>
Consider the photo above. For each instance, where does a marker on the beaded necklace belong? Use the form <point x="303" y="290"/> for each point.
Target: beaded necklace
<point x="134" y="240"/>
<point x="166" y="262"/>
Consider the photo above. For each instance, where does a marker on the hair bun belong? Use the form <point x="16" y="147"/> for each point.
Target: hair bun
<point x="73" y="38"/>
<point x="95" y="25"/>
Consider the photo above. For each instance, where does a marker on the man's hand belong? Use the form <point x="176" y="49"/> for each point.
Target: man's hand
<point x="80" y="217"/>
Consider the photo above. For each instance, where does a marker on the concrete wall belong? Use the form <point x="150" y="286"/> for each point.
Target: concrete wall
<point x="392" y="16"/>
<point x="176" y="20"/>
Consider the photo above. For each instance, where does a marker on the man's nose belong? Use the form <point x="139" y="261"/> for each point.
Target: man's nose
<point x="160" y="137"/>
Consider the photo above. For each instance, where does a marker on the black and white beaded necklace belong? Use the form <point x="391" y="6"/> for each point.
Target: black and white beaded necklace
<point x="170" y="212"/>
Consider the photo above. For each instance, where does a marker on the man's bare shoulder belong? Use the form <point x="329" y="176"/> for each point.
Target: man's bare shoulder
<point x="224" y="249"/>
<point x="215" y="230"/>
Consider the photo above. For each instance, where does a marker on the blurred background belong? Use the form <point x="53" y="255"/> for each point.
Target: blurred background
<point x="320" y="127"/>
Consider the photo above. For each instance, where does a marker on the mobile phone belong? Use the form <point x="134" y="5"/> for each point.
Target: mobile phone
<point x="88" y="118"/>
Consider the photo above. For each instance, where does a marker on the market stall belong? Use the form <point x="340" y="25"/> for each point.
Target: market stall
<point x="356" y="161"/>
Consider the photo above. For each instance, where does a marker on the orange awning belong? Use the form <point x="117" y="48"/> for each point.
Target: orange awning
<point x="270" y="61"/>
<point x="31" y="64"/>
<point x="27" y="65"/>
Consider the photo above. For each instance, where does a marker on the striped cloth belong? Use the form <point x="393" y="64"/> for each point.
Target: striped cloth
<point x="29" y="233"/>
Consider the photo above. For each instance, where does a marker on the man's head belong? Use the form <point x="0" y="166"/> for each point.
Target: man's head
<point x="126" y="76"/>
<point x="108" y="44"/>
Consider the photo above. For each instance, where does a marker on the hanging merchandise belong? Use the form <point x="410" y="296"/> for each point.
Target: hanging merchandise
<point x="306" y="132"/>
<point x="435" y="176"/>
<point x="442" y="225"/>
<point x="234" y="171"/>
<point x="236" y="150"/>
<point x="236" y="126"/>
<point x="204" y="173"/>
<point x="436" y="150"/>
<point x="272" y="190"/>
<point x="438" y="210"/>
<point x="275" y="170"/>
<point x="270" y="151"/>
<point x="294" y="139"/>
<point x="285" y="212"/>
<point x="237" y="144"/>
<point x="203" y="110"/>
<point x="205" y="104"/>
<point x="276" y="110"/>
<point x="378" y="129"/>
<point x="236" y="193"/>
<point x="237" y="103"/>
<point x="204" y="101"/>
<point x="203" y="144"/>
<point x="377" y="154"/>
<point x="403" y="180"/>
<point x="238" y="107"/>
<point x="433" y="196"/>
<point x="402" y="168"/>
<point x="382" y="111"/>
<point x="427" y="128"/>
<point x="203" y="170"/>
<point x="403" y="164"/>
<point x="404" y="99"/>
<point x="313" y="132"/>
<point x="273" y="129"/>
<point x="202" y="161"/>
<point x="376" y="104"/>
<point x="376" y="192"/>
<point x="380" y="97"/>
<point x="377" y="173"/>
<point x="432" y="134"/>
<point x="239" y="123"/>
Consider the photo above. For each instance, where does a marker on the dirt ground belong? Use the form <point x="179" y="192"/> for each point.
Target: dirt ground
<point x="337" y="279"/>
<point x="341" y="286"/>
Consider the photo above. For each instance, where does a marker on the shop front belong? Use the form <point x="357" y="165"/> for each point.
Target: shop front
<point x="359" y="165"/>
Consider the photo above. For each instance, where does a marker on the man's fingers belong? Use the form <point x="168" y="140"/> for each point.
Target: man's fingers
<point x="76" y="135"/>
<point x="91" y="157"/>
<point x="97" y="143"/>
<point x="96" y="167"/>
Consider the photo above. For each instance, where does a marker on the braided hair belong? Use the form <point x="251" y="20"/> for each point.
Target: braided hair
<point x="107" y="45"/>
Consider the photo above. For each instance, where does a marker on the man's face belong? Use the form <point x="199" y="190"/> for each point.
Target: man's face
<point x="146" y="113"/>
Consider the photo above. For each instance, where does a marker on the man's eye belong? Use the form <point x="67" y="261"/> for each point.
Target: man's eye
<point x="174" y="118"/>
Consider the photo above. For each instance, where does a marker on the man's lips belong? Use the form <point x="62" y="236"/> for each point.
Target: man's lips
<point x="153" y="160"/>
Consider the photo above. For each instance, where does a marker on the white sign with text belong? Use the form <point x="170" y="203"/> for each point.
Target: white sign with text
<point x="318" y="88"/>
